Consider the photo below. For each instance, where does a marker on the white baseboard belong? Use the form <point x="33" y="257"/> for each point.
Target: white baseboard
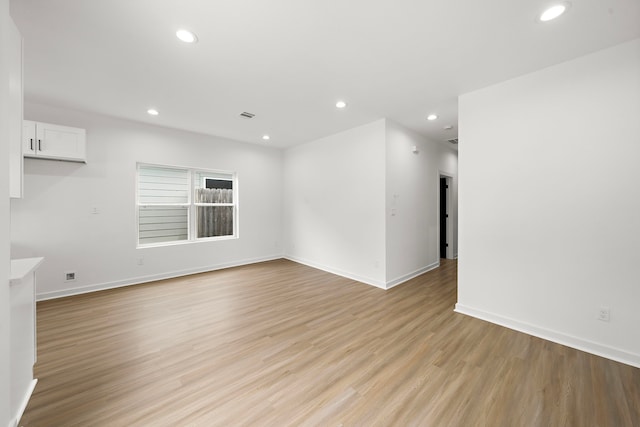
<point x="409" y="276"/>
<point x="150" y="278"/>
<point x="23" y="404"/>
<point x="366" y="280"/>
<point x="612" y="353"/>
<point x="348" y="275"/>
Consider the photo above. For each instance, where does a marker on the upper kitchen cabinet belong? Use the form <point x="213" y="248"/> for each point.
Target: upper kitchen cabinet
<point x="48" y="141"/>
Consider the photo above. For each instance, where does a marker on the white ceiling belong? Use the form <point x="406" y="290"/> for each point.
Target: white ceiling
<point x="288" y="61"/>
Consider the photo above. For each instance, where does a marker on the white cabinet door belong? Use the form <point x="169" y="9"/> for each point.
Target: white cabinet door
<point x="49" y="141"/>
<point x="60" y="142"/>
<point x="29" y="138"/>
<point x="13" y="55"/>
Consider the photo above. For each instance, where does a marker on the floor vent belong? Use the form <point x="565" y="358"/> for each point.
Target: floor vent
<point x="247" y="115"/>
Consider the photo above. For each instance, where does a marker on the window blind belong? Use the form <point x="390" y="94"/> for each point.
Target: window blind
<point x="160" y="185"/>
<point x="163" y="197"/>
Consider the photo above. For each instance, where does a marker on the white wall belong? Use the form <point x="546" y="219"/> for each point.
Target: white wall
<point x="334" y="203"/>
<point x="361" y="204"/>
<point x="336" y="208"/>
<point x="55" y="219"/>
<point x="550" y="202"/>
<point x="412" y="202"/>
<point x="5" y="329"/>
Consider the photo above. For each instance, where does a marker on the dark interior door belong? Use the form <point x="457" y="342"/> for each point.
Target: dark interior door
<point x="443" y="217"/>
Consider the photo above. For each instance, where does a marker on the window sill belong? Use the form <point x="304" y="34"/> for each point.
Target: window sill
<point x="187" y="242"/>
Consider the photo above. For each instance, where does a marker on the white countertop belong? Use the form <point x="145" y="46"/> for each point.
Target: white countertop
<point x="20" y="268"/>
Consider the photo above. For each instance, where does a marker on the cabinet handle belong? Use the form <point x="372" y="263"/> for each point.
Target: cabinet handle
<point x="39" y="145"/>
<point x="31" y="141"/>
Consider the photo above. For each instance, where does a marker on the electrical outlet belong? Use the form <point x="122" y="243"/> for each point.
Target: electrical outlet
<point x="140" y="261"/>
<point x="70" y="276"/>
<point x="604" y="314"/>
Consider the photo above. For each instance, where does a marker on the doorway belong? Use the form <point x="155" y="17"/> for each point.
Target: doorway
<point x="445" y="228"/>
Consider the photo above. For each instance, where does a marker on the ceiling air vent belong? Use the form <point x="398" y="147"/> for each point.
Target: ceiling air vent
<point x="453" y="141"/>
<point x="246" y="115"/>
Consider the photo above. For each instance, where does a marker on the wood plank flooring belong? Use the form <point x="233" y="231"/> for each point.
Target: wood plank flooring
<point x="282" y="344"/>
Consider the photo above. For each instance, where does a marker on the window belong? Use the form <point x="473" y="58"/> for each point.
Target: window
<point x="214" y="201"/>
<point x="177" y="205"/>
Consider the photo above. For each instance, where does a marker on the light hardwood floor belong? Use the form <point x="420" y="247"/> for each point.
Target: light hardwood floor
<point x="281" y="344"/>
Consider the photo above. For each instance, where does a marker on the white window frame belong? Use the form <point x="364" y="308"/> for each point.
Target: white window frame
<point x="190" y="205"/>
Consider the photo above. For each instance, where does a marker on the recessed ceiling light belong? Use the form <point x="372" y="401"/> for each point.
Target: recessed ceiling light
<point x="341" y="104"/>
<point x="266" y="137"/>
<point x="186" y="36"/>
<point x="553" y="12"/>
<point x="432" y="117"/>
<point x="152" y="112"/>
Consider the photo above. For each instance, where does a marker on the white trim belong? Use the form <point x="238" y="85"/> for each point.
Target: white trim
<point x="365" y="280"/>
<point x="612" y="353"/>
<point x="144" y="279"/>
<point x="399" y="280"/>
<point x="23" y="405"/>
<point x="186" y="242"/>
